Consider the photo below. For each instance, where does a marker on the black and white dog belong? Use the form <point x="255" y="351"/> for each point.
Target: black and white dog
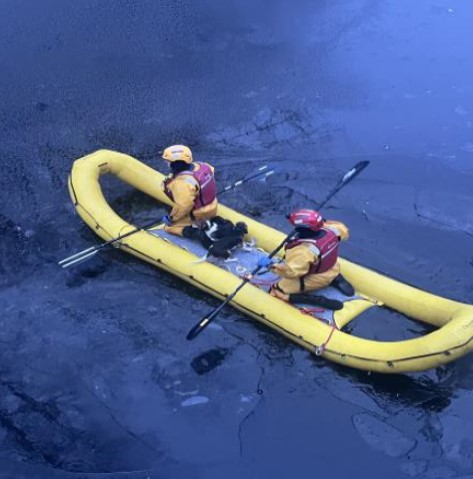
<point x="218" y="236"/>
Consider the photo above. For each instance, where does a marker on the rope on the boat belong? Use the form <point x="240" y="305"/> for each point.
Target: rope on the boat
<point x="320" y="349"/>
<point x="311" y="311"/>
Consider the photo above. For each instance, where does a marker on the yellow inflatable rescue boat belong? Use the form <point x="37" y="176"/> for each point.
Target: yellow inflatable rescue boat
<point x="320" y="331"/>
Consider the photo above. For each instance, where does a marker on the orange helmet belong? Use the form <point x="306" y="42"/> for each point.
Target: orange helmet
<point x="310" y="219"/>
<point x="178" y="153"/>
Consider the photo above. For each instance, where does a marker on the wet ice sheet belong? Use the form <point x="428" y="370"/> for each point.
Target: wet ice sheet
<point x="382" y="436"/>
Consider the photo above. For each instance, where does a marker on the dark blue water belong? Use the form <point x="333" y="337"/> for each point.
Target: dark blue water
<point x="95" y="373"/>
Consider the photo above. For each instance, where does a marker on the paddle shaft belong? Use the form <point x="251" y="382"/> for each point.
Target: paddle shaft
<point x="261" y="172"/>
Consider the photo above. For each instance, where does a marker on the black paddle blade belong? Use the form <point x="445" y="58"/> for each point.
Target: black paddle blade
<point x="357" y="169"/>
<point x="361" y="165"/>
<point x="197" y="329"/>
<point x="349" y="175"/>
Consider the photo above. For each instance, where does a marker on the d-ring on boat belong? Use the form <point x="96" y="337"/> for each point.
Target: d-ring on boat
<point x="322" y="334"/>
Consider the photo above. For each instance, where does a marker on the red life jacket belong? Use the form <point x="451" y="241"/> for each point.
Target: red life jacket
<point x="204" y="177"/>
<point x="327" y="247"/>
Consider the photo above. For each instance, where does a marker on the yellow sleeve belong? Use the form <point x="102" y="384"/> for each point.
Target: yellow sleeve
<point x="184" y="191"/>
<point x="338" y="228"/>
<point x="296" y="262"/>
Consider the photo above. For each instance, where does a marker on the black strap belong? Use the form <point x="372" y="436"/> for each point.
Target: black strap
<point x="276" y="286"/>
<point x="201" y="198"/>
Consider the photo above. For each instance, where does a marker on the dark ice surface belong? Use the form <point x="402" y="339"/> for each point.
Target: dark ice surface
<point x="96" y="377"/>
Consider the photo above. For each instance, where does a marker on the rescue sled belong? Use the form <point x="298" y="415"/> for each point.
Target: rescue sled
<point x="319" y="331"/>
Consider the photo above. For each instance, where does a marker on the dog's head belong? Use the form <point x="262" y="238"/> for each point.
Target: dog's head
<point x="242" y="228"/>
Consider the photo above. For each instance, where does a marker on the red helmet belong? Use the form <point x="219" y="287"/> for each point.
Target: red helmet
<point x="306" y="219"/>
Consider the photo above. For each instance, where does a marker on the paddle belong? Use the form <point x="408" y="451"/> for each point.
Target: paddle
<point x="204" y="322"/>
<point x="262" y="172"/>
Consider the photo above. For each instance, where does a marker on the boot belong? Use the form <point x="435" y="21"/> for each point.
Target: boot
<point x="315" y="300"/>
<point x="343" y="286"/>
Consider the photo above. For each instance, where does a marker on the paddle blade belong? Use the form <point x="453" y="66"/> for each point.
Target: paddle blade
<point x="198" y="328"/>
<point x="357" y="169"/>
<point x="74" y="256"/>
<point x="79" y="260"/>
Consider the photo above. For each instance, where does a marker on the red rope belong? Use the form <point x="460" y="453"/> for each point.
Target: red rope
<point x="320" y="349"/>
<point x="311" y="311"/>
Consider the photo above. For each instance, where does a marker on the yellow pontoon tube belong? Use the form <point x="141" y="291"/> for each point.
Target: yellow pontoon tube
<point x="454" y="320"/>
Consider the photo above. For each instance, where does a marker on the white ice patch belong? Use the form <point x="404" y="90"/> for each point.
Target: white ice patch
<point x="194" y="401"/>
<point x="215" y="326"/>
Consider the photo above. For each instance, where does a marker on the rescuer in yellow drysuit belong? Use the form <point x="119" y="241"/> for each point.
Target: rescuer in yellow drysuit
<point x="191" y="186"/>
<point x="311" y="258"/>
